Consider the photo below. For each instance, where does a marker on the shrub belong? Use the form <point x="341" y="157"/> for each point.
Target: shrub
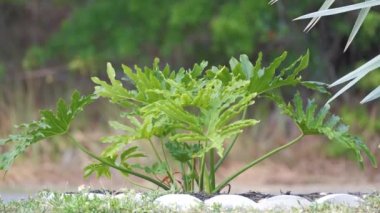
<point x="193" y="116"/>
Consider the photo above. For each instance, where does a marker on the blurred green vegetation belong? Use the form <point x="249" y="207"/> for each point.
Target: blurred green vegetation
<point x="42" y="41"/>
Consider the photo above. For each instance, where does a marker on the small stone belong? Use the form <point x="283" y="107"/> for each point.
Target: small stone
<point x="231" y="201"/>
<point x="48" y="196"/>
<point x="283" y="202"/>
<point x="121" y="196"/>
<point x="181" y="201"/>
<point x="137" y="197"/>
<point x="92" y="196"/>
<point x="346" y="199"/>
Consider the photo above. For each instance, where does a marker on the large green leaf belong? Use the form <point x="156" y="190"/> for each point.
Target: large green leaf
<point x="50" y="124"/>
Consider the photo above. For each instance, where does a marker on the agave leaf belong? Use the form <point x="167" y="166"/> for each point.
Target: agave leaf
<point x="314" y="21"/>
<point x="355" y="75"/>
<point x="345" y="88"/>
<point x="339" y="10"/>
<point x="370" y="65"/>
<point x="273" y="1"/>
<point x="372" y="96"/>
<point x="358" y="23"/>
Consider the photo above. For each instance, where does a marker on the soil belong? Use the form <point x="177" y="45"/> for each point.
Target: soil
<point x="300" y="169"/>
<point x="255" y="196"/>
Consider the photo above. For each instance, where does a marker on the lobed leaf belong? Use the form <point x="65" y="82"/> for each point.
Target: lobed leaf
<point x="324" y="123"/>
<point x="50" y="124"/>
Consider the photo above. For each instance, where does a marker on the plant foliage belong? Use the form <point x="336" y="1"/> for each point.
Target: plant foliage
<point x="322" y="122"/>
<point x="50" y="124"/>
<point x="189" y="116"/>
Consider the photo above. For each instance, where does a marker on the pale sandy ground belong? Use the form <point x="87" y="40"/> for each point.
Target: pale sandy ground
<point x="300" y="169"/>
<point x="270" y="177"/>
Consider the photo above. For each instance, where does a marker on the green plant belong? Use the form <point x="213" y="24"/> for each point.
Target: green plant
<point x="190" y="118"/>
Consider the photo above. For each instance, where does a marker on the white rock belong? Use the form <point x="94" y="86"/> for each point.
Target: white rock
<point x="92" y="196"/>
<point x="181" y="201"/>
<point x="346" y="199"/>
<point x="283" y="202"/>
<point x="123" y="196"/>
<point x="120" y="196"/>
<point x="48" y="196"/>
<point x="230" y="201"/>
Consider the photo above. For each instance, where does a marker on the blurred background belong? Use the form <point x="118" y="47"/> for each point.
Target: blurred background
<point x="48" y="48"/>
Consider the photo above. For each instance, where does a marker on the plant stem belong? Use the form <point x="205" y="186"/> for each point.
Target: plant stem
<point x="253" y="163"/>
<point x="229" y="148"/>
<point x="110" y="164"/>
<point x="194" y="175"/>
<point x="201" y="176"/>
<point x="184" y="177"/>
<point x="169" y="172"/>
<point x="138" y="185"/>
<point x="212" y="169"/>
<point x="155" y="150"/>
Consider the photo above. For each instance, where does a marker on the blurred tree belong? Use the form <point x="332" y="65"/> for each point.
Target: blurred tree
<point x="183" y="32"/>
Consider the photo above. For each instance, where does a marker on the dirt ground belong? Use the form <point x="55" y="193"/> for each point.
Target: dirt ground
<point x="270" y="177"/>
<point x="302" y="168"/>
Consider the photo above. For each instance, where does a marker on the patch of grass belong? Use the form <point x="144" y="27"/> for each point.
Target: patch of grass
<point x="56" y="202"/>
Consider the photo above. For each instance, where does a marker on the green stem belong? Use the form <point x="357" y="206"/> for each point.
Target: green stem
<point x="138" y="185"/>
<point x="212" y="169"/>
<point x="201" y="176"/>
<point x="194" y="173"/>
<point x="160" y="160"/>
<point x="184" y="177"/>
<point x="253" y="163"/>
<point x="193" y="168"/>
<point x="229" y="148"/>
<point x="169" y="171"/>
<point x="155" y="150"/>
<point x="110" y="164"/>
